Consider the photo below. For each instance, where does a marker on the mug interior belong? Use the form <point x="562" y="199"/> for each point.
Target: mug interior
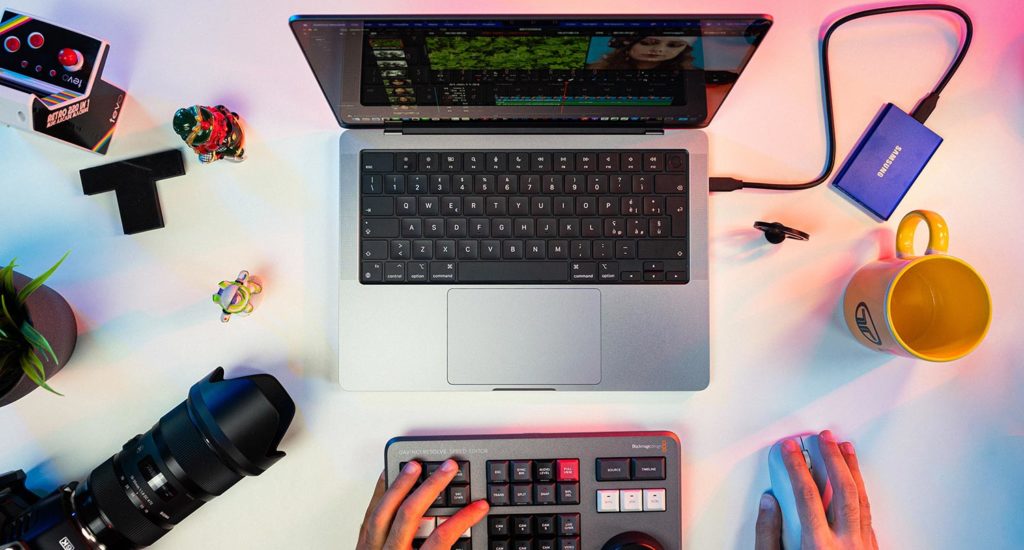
<point x="939" y="308"/>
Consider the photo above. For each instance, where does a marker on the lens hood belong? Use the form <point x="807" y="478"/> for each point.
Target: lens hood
<point x="244" y="418"/>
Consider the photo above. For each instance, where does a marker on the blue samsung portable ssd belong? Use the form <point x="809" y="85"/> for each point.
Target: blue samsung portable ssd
<point x="886" y="161"/>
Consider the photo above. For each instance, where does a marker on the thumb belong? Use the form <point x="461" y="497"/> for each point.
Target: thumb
<point x="768" y="529"/>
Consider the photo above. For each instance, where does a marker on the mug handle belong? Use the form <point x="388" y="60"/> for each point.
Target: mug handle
<point x="938" y="233"/>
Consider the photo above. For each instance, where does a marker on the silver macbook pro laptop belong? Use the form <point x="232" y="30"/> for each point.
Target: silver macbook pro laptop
<point x="524" y="199"/>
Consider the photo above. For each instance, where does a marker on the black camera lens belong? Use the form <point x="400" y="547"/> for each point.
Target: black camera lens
<point x="225" y="430"/>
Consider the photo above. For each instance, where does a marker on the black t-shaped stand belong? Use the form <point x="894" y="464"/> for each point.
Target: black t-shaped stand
<point x="133" y="181"/>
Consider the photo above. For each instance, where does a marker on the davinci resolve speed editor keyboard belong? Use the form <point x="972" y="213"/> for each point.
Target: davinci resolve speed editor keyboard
<point x="580" y="491"/>
<point x="527" y="217"/>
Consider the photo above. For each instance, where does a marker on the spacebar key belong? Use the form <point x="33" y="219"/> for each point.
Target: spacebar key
<point x="513" y="272"/>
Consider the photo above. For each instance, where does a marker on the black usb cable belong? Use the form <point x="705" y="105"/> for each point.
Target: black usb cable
<point x="920" y="113"/>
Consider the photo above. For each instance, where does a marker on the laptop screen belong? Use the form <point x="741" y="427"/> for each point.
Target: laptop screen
<point x="668" y="71"/>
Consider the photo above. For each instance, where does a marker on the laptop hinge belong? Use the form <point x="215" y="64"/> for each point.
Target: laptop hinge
<point x="395" y="128"/>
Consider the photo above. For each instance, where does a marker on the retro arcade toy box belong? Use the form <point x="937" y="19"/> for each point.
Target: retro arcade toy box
<point x="50" y="83"/>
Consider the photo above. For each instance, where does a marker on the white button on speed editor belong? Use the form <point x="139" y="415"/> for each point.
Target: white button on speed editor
<point x="630" y="500"/>
<point x="426" y="527"/>
<point x="654" y="500"/>
<point x="608" y="501"/>
<point x="464" y="535"/>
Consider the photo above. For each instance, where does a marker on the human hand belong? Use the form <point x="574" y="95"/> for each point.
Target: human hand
<point x="850" y="528"/>
<point x="394" y="515"/>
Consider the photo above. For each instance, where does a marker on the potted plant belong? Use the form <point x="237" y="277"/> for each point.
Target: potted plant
<point x="37" y="333"/>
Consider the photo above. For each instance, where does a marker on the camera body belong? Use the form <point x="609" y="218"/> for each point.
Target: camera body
<point x="227" y="429"/>
<point x="46" y="523"/>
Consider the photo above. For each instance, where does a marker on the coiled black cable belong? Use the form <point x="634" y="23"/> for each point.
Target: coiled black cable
<point x="921" y="112"/>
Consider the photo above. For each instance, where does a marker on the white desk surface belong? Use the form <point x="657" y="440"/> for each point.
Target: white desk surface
<point x="942" y="444"/>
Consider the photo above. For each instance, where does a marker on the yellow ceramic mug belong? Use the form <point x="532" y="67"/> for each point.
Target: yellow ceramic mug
<point x="933" y="307"/>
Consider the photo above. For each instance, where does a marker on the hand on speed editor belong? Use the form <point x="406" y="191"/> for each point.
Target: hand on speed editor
<point x="394" y="514"/>
<point x="850" y="528"/>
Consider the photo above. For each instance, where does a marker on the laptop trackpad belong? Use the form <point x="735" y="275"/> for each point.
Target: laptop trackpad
<point x="524" y="337"/>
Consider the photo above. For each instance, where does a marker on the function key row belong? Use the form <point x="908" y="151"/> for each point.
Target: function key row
<point x="420" y="184"/>
<point x="626" y="469"/>
<point x="562" y="469"/>
<point x="547" y="161"/>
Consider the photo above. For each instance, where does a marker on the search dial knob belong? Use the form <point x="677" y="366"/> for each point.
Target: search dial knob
<point x="632" y="540"/>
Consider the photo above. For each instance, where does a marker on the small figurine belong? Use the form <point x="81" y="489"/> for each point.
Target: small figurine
<point x="237" y="297"/>
<point x="212" y="132"/>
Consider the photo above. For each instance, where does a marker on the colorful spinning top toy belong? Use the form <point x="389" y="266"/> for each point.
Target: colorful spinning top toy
<point x="237" y="297"/>
<point x="212" y="132"/>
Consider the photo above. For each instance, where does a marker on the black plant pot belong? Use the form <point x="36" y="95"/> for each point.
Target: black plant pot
<point x="51" y="315"/>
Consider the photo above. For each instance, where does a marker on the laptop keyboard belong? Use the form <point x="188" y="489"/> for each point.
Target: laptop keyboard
<point x="524" y="217"/>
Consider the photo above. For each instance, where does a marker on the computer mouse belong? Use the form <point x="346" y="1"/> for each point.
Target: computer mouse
<point x="782" y="488"/>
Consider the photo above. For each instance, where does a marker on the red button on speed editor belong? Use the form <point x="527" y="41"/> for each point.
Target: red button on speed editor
<point x="568" y="469"/>
<point x="35" y="40"/>
<point x="12" y="44"/>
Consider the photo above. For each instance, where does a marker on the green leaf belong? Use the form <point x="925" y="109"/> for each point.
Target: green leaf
<point x="7" y="278"/>
<point x="38" y="340"/>
<point x="6" y="312"/>
<point x="33" y="369"/>
<point x="38" y="281"/>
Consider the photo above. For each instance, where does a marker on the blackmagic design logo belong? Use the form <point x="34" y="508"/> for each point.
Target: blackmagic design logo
<point x="866" y="324"/>
<point x="889" y="160"/>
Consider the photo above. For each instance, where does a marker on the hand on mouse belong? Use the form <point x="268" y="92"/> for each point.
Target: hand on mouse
<point x="851" y="526"/>
<point x="394" y="514"/>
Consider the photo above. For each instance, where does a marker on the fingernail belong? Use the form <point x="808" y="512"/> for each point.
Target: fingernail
<point x="790" y="446"/>
<point x="411" y="468"/>
<point x="767" y="502"/>
<point x="848" y="448"/>
<point x="449" y="466"/>
<point x="828" y="436"/>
